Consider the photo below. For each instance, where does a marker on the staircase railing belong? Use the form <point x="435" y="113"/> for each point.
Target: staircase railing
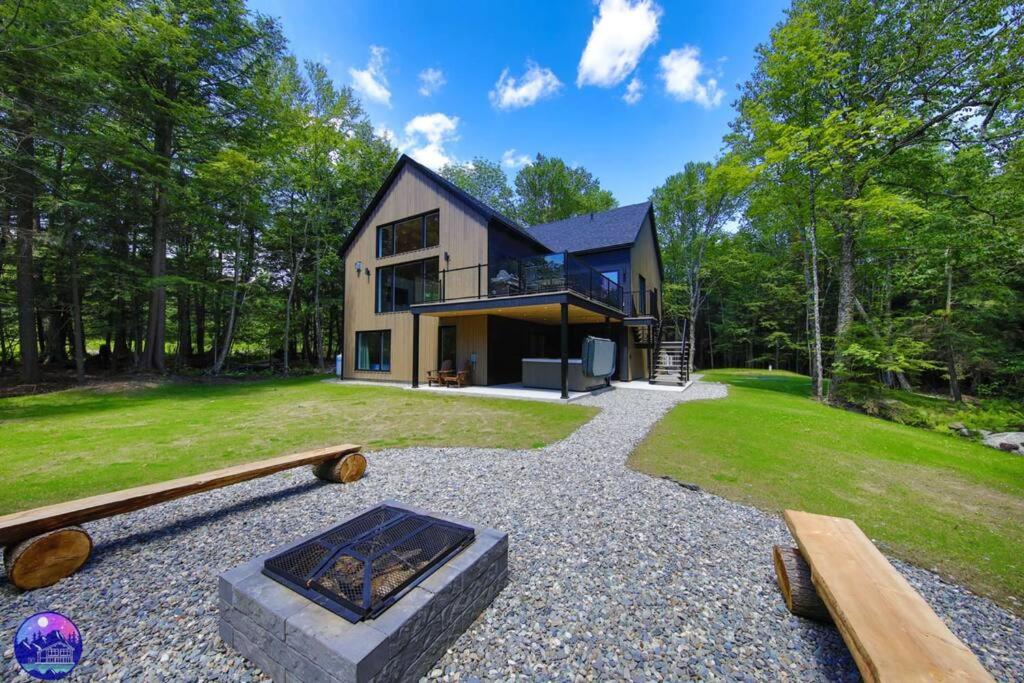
<point x="684" y="355"/>
<point x="655" y="349"/>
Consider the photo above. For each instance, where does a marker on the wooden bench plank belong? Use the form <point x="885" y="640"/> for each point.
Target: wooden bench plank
<point x="21" y="525"/>
<point x="892" y="633"/>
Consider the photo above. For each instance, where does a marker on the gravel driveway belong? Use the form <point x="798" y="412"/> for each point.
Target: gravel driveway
<point x="614" y="575"/>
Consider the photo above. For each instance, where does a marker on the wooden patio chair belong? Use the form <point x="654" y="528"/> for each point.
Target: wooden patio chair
<point x="460" y="378"/>
<point x="438" y="376"/>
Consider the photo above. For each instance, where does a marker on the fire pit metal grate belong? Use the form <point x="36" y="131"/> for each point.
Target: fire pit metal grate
<point x="360" y="568"/>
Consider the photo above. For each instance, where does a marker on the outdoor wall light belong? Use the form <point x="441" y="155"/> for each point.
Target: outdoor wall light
<point x="359" y="267"/>
<point x="446" y="258"/>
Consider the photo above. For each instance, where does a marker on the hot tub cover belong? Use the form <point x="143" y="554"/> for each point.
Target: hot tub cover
<point x="598" y="357"/>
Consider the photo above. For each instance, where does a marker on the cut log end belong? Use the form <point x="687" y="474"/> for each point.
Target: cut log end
<point x="46" y="559"/>
<point x="794" y="577"/>
<point x="344" y="470"/>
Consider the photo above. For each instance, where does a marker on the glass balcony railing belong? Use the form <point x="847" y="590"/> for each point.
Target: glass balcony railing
<point x="529" y="275"/>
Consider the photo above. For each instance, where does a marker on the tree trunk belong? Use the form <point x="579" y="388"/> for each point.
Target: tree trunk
<point x="153" y="352"/>
<point x="711" y="348"/>
<point x="24" y="186"/>
<point x="200" y="305"/>
<point x="3" y="343"/>
<point x="318" y="334"/>
<point x="288" y="308"/>
<point x="56" y="322"/>
<point x="812" y="240"/>
<point x="76" y="311"/>
<point x="847" y="279"/>
<point x="184" y="328"/>
<point x="954" y="382"/>
<point x="225" y="346"/>
<point x="695" y="303"/>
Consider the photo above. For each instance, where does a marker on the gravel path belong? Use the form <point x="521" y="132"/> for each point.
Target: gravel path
<point x="614" y="574"/>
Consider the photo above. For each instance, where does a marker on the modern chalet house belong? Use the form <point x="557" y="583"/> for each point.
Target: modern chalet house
<point x="433" y="274"/>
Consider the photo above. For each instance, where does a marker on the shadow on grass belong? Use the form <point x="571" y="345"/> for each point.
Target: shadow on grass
<point x="94" y="400"/>
<point x="794" y="385"/>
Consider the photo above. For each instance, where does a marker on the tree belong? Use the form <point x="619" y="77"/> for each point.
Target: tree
<point x="692" y="209"/>
<point x="549" y="190"/>
<point x="37" y="98"/>
<point x="187" y="62"/>
<point x="486" y="181"/>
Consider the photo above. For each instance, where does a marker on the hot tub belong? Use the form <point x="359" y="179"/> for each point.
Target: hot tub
<point x="546" y="373"/>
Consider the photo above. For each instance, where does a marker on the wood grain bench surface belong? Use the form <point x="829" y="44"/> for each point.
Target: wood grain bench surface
<point x="21" y="525"/>
<point x="891" y="631"/>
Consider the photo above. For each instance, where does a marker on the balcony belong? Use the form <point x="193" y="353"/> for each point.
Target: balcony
<point x="530" y="275"/>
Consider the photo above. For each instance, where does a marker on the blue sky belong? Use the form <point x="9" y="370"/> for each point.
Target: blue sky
<point x="630" y="89"/>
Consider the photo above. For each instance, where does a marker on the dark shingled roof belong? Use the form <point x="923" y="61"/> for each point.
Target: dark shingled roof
<point x="592" y="231"/>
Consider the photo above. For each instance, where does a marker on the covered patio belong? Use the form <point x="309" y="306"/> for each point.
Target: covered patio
<point x="560" y="310"/>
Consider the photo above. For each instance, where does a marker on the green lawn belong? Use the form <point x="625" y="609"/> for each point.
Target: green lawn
<point x="939" y="501"/>
<point x="68" y="444"/>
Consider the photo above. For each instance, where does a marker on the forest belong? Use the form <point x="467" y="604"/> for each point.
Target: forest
<point x="177" y="185"/>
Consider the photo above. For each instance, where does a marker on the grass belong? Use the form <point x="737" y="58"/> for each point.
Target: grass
<point x="68" y="444"/>
<point x="940" y="502"/>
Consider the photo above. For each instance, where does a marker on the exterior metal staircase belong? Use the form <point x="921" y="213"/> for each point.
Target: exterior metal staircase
<point x="668" y="359"/>
<point x="671" y="358"/>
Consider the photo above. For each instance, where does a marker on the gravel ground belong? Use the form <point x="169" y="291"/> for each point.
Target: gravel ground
<point x="614" y="574"/>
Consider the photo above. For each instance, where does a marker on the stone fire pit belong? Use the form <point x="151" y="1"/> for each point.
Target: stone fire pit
<point x="292" y="638"/>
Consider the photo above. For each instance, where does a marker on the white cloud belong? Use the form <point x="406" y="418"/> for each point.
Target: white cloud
<point x="371" y="81"/>
<point x="537" y="83"/>
<point x="431" y="80"/>
<point x="512" y="160"/>
<point x="426" y="138"/>
<point x="622" y="31"/>
<point x="386" y="133"/>
<point x="681" y="70"/>
<point x="634" y="91"/>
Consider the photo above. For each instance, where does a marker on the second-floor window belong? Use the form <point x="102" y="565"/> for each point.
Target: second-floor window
<point x="404" y="284"/>
<point x="408" y="234"/>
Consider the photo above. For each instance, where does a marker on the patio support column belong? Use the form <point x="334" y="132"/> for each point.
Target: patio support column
<point x="607" y="327"/>
<point x="415" y="350"/>
<point x="565" y="350"/>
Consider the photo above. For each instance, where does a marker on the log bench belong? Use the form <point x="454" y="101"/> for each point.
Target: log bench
<point x="46" y="544"/>
<point x="891" y="631"/>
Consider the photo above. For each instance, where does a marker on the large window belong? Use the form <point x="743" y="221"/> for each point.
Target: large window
<point x="373" y="351"/>
<point x="408" y="234"/>
<point x="404" y="284"/>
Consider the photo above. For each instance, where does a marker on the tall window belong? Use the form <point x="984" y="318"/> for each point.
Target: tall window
<point x="643" y="294"/>
<point x="404" y="284"/>
<point x="408" y="234"/>
<point x="373" y="351"/>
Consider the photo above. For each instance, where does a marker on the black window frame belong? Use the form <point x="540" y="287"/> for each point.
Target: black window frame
<point x="424" y="242"/>
<point x="384" y="334"/>
<point x="390" y="269"/>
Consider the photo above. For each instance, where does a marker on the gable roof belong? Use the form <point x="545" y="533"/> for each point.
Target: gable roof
<point x="593" y="231"/>
<point x="489" y="214"/>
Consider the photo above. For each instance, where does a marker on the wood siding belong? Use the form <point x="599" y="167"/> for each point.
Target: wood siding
<point x="470" y="338"/>
<point x="643" y="261"/>
<point x="463" y="234"/>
